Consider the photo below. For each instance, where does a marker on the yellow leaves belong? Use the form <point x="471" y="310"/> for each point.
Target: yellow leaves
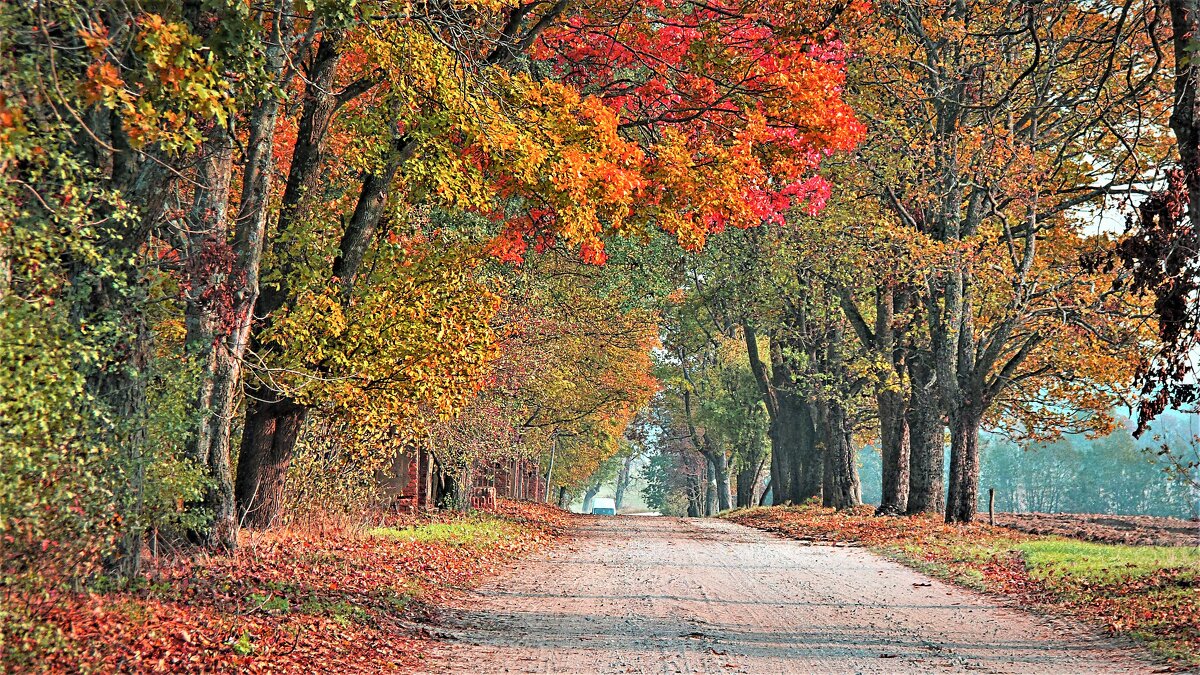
<point x="412" y="345"/>
<point x="166" y="96"/>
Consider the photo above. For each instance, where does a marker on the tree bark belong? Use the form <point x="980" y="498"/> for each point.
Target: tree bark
<point x="781" y="472"/>
<point x="1185" y="115"/>
<point x="777" y="431"/>
<point x="214" y="281"/>
<point x="893" y="428"/>
<point x="808" y="465"/>
<point x="368" y="211"/>
<point x="214" y="285"/>
<point x="710" y="487"/>
<point x="588" y="496"/>
<point x="272" y="429"/>
<point x="119" y="385"/>
<point x="962" y="503"/>
<point x="718" y="465"/>
<point x="693" y="495"/>
<point x="357" y="237"/>
<point x="125" y="393"/>
<point x="926" y="444"/>
<point x="274" y="420"/>
<point x="747" y="479"/>
<point x="797" y="466"/>
<point x="623" y="479"/>
<point x="222" y="271"/>
<point x="895" y="450"/>
<point x="842" y="488"/>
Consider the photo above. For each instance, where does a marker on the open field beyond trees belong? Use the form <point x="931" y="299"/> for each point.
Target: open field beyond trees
<point x="1107" y="529"/>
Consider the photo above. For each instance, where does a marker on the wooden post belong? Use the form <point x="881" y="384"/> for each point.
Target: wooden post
<point x="420" y="499"/>
<point x="550" y="471"/>
<point x="992" y="506"/>
<point x="427" y="479"/>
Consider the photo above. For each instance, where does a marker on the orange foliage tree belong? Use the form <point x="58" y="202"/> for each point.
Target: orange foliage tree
<point x="990" y="129"/>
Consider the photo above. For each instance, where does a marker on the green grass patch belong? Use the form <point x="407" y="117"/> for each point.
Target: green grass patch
<point x="1104" y="563"/>
<point x="482" y="532"/>
<point x="269" y="603"/>
<point x="341" y="612"/>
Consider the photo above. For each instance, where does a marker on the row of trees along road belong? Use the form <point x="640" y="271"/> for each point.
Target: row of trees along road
<point x="237" y="234"/>
<point x="956" y="278"/>
<point x="233" y="235"/>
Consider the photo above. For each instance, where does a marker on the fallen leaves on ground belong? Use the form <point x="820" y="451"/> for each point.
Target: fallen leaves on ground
<point x="314" y="599"/>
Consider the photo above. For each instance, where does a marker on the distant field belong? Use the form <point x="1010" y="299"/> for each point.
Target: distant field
<point x="1133" y="530"/>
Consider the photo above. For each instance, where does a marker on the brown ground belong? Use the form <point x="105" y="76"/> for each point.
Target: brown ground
<point x="1135" y="530"/>
<point x="644" y="594"/>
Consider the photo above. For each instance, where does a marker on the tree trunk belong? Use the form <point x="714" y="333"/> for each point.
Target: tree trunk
<point x="797" y="467"/>
<point x="1185" y="115"/>
<point x="124" y="390"/>
<point x="895" y="451"/>
<point x="926" y="445"/>
<point x="368" y="211"/>
<point x="842" y="489"/>
<point x="963" y="500"/>
<point x="750" y="471"/>
<point x="718" y="465"/>
<point x="564" y="498"/>
<point x="623" y="479"/>
<point x="778" y="429"/>
<point x="222" y="370"/>
<point x="588" y="496"/>
<point x="213" y="282"/>
<point x="118" y="385"/>
<point x="883" y="339"/>
<point x="781" y="470"/>
<point x="272" y="429"/>
<point x="808" y="463"/>
<point x="273" y="420"/>
<point x="747" y="481"/>
<point x="710" y="487"/>
<point x="693" y="495"/>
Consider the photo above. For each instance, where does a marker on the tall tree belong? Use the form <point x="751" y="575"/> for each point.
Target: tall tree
<point x="1009" y="118"/>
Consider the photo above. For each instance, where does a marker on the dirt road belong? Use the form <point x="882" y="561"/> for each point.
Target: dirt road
<point x="670" y="595"/>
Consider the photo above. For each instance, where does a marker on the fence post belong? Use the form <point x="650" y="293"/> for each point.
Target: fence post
<point x="992" y="506"/>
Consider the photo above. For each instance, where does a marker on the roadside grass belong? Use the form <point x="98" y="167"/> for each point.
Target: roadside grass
<point x="1107" y="562"/>
<point x="1148" y="593"/>
<point x="297" y="600"/>
<point x="472" y="531"/>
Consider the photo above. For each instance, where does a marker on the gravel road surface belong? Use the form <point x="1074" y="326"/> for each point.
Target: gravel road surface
<point x="668" y="595"/>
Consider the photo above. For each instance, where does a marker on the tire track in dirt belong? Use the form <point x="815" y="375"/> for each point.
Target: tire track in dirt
<point x="668" y="595"/>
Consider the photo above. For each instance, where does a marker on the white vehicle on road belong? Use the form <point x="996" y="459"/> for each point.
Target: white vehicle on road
<point x="603" y="506"/>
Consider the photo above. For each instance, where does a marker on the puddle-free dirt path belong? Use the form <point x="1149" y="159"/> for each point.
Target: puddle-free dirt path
<point x="707" y="596"/>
